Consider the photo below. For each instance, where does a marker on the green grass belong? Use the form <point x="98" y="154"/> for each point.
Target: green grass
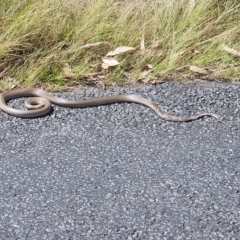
<point x="38" y="38"/>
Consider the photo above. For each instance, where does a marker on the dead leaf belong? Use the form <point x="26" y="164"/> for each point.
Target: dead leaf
<point x="96" y="76"/>
<point x="231" y="50"/>
<point x="105" y="66"/>
<point x="68" y="71"/>
<point x="93" y="79"/>
<point x="198" y="70"/>
<point x="154" y="82"/>
<point x="13" y="86"/>
<point x="120" y="50"/>
<point x="109" y="62"/>
<point x="93" y="44"/>
<point x="150" y="66"/>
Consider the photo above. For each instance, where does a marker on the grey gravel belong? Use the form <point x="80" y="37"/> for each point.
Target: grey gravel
<point x="121" y="172"/>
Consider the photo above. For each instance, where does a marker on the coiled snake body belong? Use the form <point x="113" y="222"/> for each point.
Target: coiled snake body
<point x="40" y="101"/>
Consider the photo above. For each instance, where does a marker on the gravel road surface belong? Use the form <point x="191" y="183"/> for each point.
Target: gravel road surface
<point x="121" y="172"/>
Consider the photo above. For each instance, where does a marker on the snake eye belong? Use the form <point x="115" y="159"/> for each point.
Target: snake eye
<point x="33" y="103"/>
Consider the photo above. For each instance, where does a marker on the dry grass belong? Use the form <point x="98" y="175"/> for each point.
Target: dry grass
<point x="39" y="40"/>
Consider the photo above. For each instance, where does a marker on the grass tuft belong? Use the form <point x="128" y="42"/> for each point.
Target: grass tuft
<point x="38" y="38"/>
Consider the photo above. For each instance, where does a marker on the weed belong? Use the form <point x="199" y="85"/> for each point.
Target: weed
<point x="37" y="38"/>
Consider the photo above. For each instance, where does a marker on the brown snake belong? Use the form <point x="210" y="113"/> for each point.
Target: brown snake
<point x="39" y="104"/>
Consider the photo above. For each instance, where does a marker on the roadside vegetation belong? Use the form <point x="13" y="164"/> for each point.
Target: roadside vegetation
<point x="58" y="43"/>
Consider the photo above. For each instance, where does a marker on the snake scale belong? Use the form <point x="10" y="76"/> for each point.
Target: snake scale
<point x="39" y="104"/>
